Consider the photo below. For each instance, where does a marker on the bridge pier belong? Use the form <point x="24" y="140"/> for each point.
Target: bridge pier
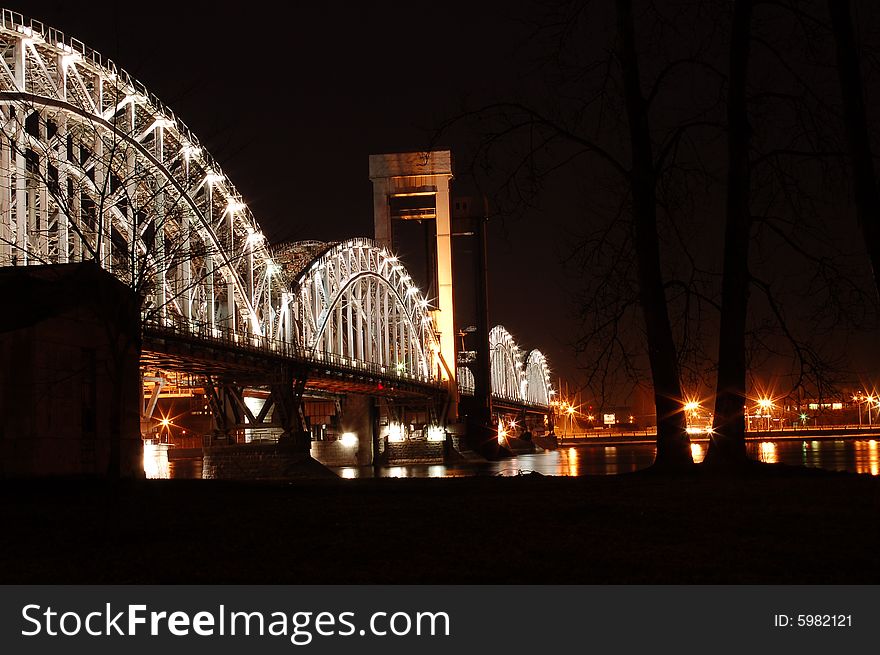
<point x="223" y="410"/>
<point x="280" y="412"/>
<point x="287" y="399"/>
<point x="359" y="418"/>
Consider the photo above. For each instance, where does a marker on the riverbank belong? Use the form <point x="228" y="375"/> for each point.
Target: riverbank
<point x="843" y="433"/>
<point x="772" y="525"/>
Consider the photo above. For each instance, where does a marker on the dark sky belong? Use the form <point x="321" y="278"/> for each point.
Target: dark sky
<point x="291" y="100"/>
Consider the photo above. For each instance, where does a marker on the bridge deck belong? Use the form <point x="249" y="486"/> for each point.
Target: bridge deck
<point x="265" y="361"/>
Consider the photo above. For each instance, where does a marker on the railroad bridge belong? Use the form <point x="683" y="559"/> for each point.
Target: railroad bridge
<point x="94" y="167"/>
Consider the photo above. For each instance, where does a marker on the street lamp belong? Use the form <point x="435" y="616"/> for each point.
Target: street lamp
<point x="766" y="405"/>
<point x="858" y="401"/>
<point x="691" y="413"/>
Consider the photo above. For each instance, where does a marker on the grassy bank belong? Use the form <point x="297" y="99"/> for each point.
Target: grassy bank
<point x="772" y="525"/>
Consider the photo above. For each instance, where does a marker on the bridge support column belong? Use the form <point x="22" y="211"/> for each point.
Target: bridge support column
<point x="224" y="410"/>
<point x="415" y="174"/>
<point x="359" y="418"/>
<point x="287" y="398"/>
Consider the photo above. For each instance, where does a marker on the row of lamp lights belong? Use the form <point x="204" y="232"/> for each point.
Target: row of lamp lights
<point x="871" y="400"/>
<point x="698" y="423"/>
<point x="763" y="412"/>
<point x="504" y="430"/>
<point x="397" y="433"/>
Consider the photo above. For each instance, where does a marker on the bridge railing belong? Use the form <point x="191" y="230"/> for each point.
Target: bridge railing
<point x="266" y="345"/>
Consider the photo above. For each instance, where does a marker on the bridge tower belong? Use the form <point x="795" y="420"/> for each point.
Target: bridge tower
<point x="415" y="186"/>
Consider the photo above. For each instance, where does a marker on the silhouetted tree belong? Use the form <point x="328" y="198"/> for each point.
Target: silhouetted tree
<point x="673" y="446"/>
<point x="864" y="178"/>
<point x="727" y="442"/>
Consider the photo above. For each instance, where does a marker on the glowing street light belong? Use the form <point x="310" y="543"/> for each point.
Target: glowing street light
<point x="571" y="410"/>
<point x="691" y="409"/>
<point x="766" y="407"/>
<point x="165" y="426"/>
<point x="502" y="433"/>
<point x="868" y="400"/>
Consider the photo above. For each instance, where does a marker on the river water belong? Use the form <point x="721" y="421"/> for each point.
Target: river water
<point x="853" y="455"/>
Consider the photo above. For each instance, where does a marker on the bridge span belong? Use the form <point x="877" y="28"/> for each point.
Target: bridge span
<point x="94" y="167"/>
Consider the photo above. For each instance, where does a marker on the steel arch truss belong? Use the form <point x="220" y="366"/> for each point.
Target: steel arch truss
<point x="355" y="301"/>
<point x="505" y="361"/>
<point x="538" y="390"/>
<point x="94" y="167"/>
<point x="516" y="376"/>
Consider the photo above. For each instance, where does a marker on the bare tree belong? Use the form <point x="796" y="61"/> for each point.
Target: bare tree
<point x="788" y="281"/>
<point x="673" y="448"/>
<point x="865" y="189"/>
<point x="641" y="186"/>
<point x="727" y="441"/>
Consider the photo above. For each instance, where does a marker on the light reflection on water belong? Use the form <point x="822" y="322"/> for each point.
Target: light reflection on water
<point x="767" y="452"/>
<point x="156" y="460"/>
<point x="854" y="455"/>
<point x="867" y="457"/>
<point x="569" y="461"/>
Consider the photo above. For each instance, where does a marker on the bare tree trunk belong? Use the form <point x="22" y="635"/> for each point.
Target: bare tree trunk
<point x="727" y="445"/>
<point x="673" y="445"/>
<point x="867" y="195"/>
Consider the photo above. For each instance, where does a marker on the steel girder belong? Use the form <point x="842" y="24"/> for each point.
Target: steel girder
<point x="94" y="167"/>
<point x="505" y="361"/>
<point x="538" y="388"/>
<point x="355" y="302"/>
<point x="516" y="376"/>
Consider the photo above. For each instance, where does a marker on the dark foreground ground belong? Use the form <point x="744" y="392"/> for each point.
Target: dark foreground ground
<point x="769" y="526"/>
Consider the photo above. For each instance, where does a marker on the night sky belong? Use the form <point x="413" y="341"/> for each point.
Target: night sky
<point x="291" y="101"/>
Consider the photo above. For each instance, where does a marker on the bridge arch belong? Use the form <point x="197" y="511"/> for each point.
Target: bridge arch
<point x="355" y="300"/>
<point x="505" y="364"/>
<point x="538" y="388"/>
<point x="94" y="167"/>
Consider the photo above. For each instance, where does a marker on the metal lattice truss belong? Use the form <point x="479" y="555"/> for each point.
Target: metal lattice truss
<point x="517" y="376"/>
<point x="94" y="167"/>
<point x="464" y="377"/>
<point x="538" y="390"/>
<point x="355" y="301"/>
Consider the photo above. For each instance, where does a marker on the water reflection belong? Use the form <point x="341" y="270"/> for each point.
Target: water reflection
<point x="767" y="452"/>
<point x="867" y="458"/>
<point x="156" y="461"/>
<point x="573" y="461"/>
<point x="857" y="456"/>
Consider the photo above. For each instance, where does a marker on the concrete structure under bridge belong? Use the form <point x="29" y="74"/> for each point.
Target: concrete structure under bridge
<point x="322" y="347"/>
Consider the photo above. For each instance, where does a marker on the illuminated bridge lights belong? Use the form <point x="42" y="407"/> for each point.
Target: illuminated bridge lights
<point x="213" y="274"/>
